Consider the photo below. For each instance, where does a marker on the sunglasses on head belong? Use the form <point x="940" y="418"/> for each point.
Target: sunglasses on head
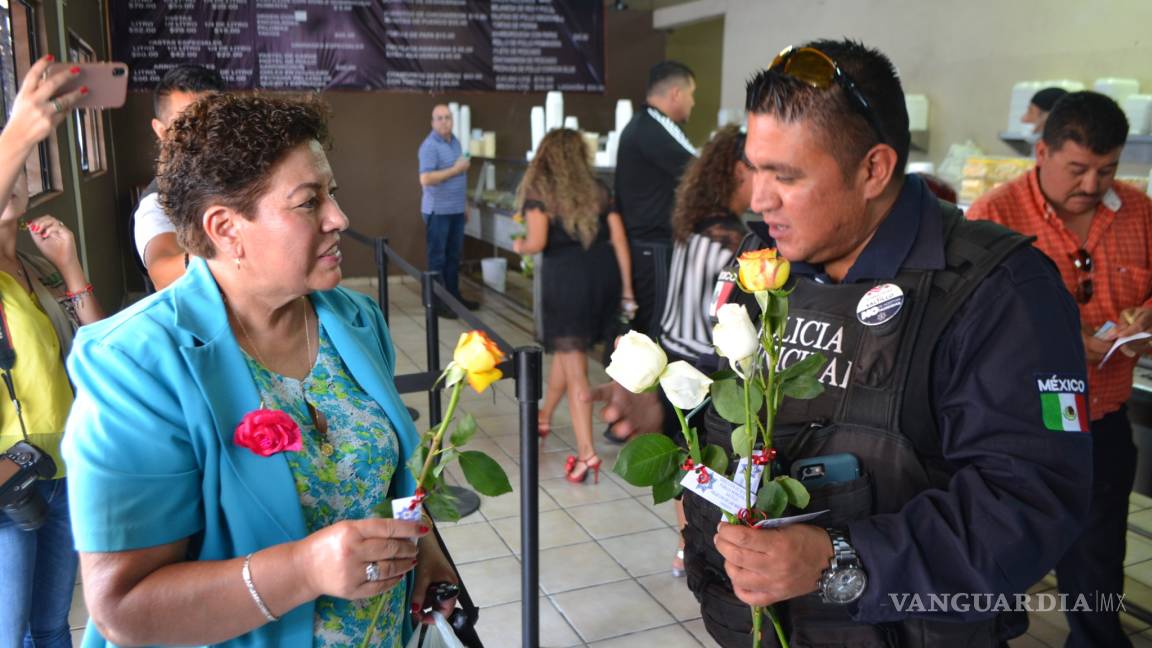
<point x="818" y="70"/>
<point x="1083" y="262"/>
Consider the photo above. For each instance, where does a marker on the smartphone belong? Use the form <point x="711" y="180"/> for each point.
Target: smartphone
<point x="1103" y="330"/>
<point x="814" y="472"/>
<point x="107" y="83"/>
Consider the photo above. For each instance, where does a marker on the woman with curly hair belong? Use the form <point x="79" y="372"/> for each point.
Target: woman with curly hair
<point x="707" y="230"/>
<point x="570" y="219"/>
<point x="234" y="434"/>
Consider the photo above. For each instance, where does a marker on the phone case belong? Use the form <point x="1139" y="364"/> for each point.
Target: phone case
<point x="814" y="472"/>
<point x="107" y="83"/>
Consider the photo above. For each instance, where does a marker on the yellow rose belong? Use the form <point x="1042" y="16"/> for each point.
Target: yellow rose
<point x="762" y="270"/>
<point x="478" y="355"/>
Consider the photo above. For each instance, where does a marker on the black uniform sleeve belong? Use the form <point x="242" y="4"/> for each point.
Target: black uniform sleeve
<point x="665" y="153"/>
<point x="1015" y="503"/>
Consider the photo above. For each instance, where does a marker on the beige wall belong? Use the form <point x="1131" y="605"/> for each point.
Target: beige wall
<point x="965" y="56"/>
<point x="700" y="46"/>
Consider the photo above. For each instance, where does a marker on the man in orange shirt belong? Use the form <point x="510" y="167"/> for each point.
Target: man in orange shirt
<point x="1099" y="234"/>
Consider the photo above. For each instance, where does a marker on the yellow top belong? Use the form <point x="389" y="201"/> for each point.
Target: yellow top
<point x="38" y="375"/>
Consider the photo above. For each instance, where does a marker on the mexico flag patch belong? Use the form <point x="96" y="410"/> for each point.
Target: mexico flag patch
<point x="1063" y="403"/>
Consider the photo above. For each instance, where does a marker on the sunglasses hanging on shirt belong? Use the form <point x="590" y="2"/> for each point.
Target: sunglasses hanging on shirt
<point x="1082" y="261"/>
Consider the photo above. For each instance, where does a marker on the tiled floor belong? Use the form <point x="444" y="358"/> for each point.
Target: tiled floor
<point x="605" y="550"/>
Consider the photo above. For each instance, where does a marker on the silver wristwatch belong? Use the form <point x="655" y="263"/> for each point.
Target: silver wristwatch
<point x="845" y="579"/>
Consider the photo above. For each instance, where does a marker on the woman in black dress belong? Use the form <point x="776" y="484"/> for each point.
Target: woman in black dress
<point x="586" y="276"/>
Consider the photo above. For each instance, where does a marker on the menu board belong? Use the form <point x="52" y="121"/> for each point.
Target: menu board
<point x="423" y="45"/>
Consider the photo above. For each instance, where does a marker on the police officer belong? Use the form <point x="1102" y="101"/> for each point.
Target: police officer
<point x="954" y="381"/>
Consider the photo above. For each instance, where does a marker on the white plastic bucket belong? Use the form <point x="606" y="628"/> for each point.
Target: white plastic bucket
<point x="494" y="270"/>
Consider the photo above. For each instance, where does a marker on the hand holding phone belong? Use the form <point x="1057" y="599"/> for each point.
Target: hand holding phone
<point x="106" y="83"/>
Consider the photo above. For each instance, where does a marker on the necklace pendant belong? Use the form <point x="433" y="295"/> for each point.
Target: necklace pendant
<point x="326" y="449"/>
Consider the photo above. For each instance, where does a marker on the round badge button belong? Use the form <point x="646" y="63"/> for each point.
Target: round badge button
<point x="880" y="304"/>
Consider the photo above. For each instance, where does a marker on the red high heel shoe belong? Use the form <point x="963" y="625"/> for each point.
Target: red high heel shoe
<point x="591" y="464"/>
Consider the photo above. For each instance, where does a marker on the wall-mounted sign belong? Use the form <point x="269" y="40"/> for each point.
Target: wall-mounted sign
<point x="514" y="45"/>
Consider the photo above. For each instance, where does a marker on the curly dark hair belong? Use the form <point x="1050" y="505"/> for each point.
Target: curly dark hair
<point x="709" y="182"/>
<point x="222" y="150"/>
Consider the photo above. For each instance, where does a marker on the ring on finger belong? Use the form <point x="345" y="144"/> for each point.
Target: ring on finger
<point x="56" y="106"/>
<point x="372" y="572"/>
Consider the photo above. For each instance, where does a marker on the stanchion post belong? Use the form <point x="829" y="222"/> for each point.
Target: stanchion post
<point x="529" y="385"/>
<point x="431" y="340"/>
<point x="382" y="275"/>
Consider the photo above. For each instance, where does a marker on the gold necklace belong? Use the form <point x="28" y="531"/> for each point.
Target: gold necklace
<point x="326" y="448"/>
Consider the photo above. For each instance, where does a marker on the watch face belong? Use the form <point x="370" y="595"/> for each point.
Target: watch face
<point x="845" y="585"/>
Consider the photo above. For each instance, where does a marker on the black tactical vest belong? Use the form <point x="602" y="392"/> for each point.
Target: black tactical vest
<point x="876" y="405"/>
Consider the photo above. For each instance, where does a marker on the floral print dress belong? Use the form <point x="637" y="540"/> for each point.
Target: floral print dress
<point x="343" y="475"/>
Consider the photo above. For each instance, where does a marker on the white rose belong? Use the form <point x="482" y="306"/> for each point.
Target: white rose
<point x="637" y="362"/>
<point x="684" y="385"/>
<point x="734" y="335"/>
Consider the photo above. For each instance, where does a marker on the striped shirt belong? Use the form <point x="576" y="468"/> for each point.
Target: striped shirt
<point x="448" y="197"/>
<point x="1120" y="244"/>
<point x="686" y="328"/>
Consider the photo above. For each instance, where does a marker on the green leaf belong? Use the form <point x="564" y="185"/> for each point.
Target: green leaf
<point x="772" y="499"/>
<point x="802" y="388"/>
<point x="647" y="460"/>
<point x="715" y="458"/>
<point x="809" y="366"/>
<point x="416" y="461"/>
<point x="763" y="299"/>
<point x="728" y="399"/>
<point x="453" y="374"/>
<point x="465" y="428"/>
<point x="445" y="458"/>
<point x="797" y="493"/>
<point x="742" y="441"/>
<point x="666" y="489"/>
<point x="441" y="506"/>
<point x="777" y="311"/>
<point x="722" y="374"/>
<point x="484" y="474"/>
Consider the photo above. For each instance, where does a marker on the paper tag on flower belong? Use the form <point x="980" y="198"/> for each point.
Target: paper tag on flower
<point x="715" y="488"/>
<point x="404" y="509"/>
<point x="785" y="521"/>
<point x="757" y="471"/>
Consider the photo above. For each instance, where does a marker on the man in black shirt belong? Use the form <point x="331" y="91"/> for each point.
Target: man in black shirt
<point x="653" y="152"/>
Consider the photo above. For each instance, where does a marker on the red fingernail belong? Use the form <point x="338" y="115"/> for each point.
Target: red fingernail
<point x="50" y="57"/>
<point x="33" y="227"/>
<point x="415" y="608"/>
<point x="423" y="529"/>
<point x="74" y="69"/>
<point x="415" y="562"/>
<point x="83" y="90"/>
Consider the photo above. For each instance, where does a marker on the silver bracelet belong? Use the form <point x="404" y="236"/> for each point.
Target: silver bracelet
<point x="247" y="574"/>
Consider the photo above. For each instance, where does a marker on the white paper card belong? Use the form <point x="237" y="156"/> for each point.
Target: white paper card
<point x="719" y="490"/>
<point x="402" y="509"/>
<point x="757" y="472"/>
<point x="1120" y="342"/>
<point x="785" y="521"/>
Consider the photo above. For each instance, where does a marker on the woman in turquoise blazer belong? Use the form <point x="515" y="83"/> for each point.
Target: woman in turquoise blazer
<point x="196" y="525"/>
